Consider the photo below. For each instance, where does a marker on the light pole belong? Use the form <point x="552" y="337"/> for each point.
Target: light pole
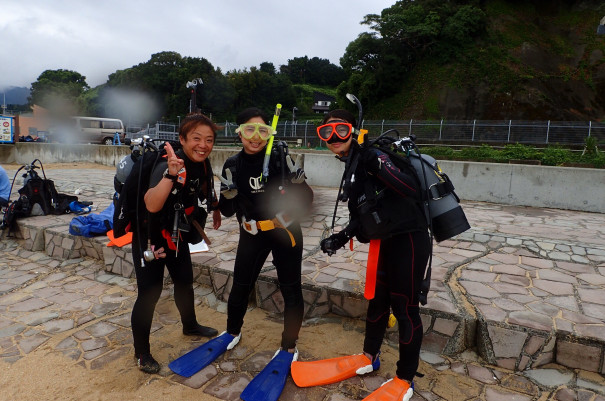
<point x="294" y="110"/>
<point x="193" y="84"/>
<point x="601" y="27"/>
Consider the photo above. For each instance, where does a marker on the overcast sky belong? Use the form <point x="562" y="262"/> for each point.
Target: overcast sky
<point x="96" y="38"/>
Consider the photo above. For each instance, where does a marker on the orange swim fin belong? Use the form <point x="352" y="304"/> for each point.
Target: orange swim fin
<point x="120" y="241"/>
<point x="392" y="390"/>
<point x="328" y="371"/>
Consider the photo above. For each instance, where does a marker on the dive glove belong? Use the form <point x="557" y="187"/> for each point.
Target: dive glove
<point x="333" y="243"/>
<point x="297" y="174"/>
<point x="228" y="187"/>
<point x="371" y="161"/>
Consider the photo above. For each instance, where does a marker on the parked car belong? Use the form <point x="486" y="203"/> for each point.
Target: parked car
<point x="88" y="130"/>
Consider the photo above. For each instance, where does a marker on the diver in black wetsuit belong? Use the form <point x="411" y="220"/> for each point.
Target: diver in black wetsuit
<point x="268" y="212"/>
<point x="382" y="189"/>
<point x="197" y="134"/>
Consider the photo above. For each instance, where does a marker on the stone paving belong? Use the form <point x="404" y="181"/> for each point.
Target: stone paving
<point x="523" y="288"/>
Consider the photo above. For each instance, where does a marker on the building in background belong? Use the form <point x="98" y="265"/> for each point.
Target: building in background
<point x="322" y="102"/>
<point x="34" y="124"/>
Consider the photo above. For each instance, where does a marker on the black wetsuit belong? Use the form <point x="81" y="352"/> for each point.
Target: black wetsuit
<point x="150" y="278"/>
<point x="403" y="257"/>
<point x="260" y="202"/>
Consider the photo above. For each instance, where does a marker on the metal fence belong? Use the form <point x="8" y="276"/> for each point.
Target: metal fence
<point x="460" y="131"/>
<point x="161" y="130"/>
<point x="488" y="131"/>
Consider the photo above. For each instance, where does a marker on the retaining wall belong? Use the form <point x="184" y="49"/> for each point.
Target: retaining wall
<point x="514" y="184"/>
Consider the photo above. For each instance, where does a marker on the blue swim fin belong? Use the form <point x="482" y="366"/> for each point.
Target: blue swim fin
<point x="202" y="356"/>
<point x="269" y="383"/>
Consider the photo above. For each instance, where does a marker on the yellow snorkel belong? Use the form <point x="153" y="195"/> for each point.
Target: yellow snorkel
<point x="270" y="142"/>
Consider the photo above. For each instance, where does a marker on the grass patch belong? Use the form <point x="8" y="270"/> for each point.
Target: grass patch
<point x="551" y="156"/>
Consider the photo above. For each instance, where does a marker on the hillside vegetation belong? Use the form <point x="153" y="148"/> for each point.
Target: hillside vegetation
<point x="538" y="60"/>
<point x="419" y="59"/>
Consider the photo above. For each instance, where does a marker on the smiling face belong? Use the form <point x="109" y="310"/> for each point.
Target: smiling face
<point x="336" y="145"/>
<point x="198" y="143"/>
<point x="255" y="144"/>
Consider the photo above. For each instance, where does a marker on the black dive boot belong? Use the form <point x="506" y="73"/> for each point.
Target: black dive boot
<point x="147" y="364"/>
<point x="199" y="330"/>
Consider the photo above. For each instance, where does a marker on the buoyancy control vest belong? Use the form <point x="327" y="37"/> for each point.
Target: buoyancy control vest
<point x="379" y="212"/>
<point x="440" y="203"/>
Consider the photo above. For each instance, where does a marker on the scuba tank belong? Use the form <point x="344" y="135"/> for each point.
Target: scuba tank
<point x="442" y="205"/>
<point x="123" y="170"/>
<point x="447" y="217"/>
<point x="124" y="166"/>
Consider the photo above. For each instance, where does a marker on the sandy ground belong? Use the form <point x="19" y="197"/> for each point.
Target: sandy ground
<point x="47" y="375"/>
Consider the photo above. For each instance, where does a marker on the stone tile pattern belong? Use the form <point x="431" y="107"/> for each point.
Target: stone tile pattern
<point x="69" y="305"/>
<point x="74" y="308"/>
<point x="522" y="285"/>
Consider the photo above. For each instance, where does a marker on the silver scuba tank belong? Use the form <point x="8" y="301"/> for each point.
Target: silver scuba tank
<point x="124" y="166"/>
<point x="441" y="202"/>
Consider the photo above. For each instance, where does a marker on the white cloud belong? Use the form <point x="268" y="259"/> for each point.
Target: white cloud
<point x="98" y="38"/>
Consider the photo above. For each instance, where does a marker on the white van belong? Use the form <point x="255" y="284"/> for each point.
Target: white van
<point x="88" y="130"/>
<point x="100" y="130"/>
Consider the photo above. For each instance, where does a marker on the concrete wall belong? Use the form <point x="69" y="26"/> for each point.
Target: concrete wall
<point x="26" y="152"/>
<point x="513" y="184"/>
<point x="527" y="185"/>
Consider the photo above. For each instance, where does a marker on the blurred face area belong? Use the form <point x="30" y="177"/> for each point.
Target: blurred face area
<point x="198" y="143"/>
<point x="336" y="144"/>
<point x="254" y="144"/>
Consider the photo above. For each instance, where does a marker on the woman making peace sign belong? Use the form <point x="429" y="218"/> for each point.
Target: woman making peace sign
<point x="177" y="182"/>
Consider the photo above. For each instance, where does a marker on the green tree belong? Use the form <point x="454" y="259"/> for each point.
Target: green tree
<point x="163" y="80"/>
<point x="321" y="72"/>
<point x="296" y="69"/>
<point x="362" y="54"/>
<point x="402" y="35"/>
<point x="267" y="67"/>
<point x="261" y="89"/>
<point x="89" y="102"/>
<point x="58" y="91"/>
<point x="314" y="71"/>
<point x="218" y="96"/>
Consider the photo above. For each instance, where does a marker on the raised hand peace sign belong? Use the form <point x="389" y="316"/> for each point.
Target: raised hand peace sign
<point x="174" y="163"/>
